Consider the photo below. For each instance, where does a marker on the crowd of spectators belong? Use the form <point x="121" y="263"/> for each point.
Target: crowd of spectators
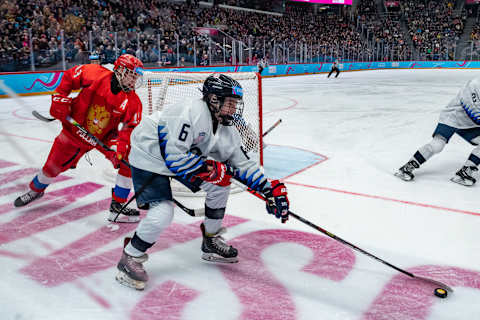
<point x="474" y="12"/>
<point x="330" y="31"/>
<point x="161" y="32"/>
<point x="265" y="5"/>
<point x="471" y="48"/>
<point x="475" y="33"/>
<point x="434" y="26"/>
<point x="383" y="31"/>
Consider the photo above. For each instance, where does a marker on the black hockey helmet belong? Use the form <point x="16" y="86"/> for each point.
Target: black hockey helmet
<point x="216" y="88"/>
<point x="222" y="86"/>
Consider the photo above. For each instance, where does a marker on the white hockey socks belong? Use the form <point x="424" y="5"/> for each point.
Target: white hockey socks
<point x="158" y="218"/>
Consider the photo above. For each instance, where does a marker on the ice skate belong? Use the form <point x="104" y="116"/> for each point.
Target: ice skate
<point x="215" y="249"/>
<point x="406" y="172"/>
<point x="464" y="176"/>
<point x="131" y="272"/>
<point x="27" y="198"/>
<point x="128" y="215"/>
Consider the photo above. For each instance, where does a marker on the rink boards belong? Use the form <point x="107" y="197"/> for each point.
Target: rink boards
<point x="33" y="83"/>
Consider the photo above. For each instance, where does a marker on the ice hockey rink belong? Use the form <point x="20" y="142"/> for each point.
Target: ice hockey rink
<point x="337" y="148"/>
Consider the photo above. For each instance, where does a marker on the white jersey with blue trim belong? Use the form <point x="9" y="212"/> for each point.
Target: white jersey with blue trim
<point x="463" y="111"/>
<point x="177" y="140"/>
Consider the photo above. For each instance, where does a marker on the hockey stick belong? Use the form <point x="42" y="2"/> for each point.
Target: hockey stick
<point x="95" y="140"/>
<point x="272" y="127"/>
<point x="191" y="212"/>
<point x="334" y="237"/>
<point x="40" y="117"/>
<point x="92" y="140"/>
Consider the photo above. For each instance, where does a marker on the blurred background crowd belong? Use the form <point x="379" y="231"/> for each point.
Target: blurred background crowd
<point x="41" y="34"/>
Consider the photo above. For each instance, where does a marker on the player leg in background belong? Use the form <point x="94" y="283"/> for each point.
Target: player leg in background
<point x="214" y="247"/>
<point x="63" y="155"/>
<point x="119" y="197"/>
<point x="330" y="73"/>
<point x="120" y="192"/>
<point x="338" y="72"/>
<point x="467" y="174"/>
<point x="441" y="136"/>
<point x="156" y="196"/>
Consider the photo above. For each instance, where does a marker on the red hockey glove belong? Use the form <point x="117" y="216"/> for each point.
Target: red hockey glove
<point x="60" y="107"/>
<point x="277" y="201"/>
<point x="216" y="173"/>
<point x="122" y="149"/>
<point x="121" y="153"/>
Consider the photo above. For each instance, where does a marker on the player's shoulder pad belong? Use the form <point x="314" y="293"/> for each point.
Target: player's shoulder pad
<point x="95" y="68"/>
<point x="197" y="109"/>
<point x="475" y="82"/>
<point x="94" y="72"/>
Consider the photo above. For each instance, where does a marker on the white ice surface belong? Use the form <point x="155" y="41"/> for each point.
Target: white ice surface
<point x="367" y="124"/>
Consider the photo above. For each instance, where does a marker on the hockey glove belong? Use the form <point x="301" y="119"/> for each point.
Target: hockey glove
<point x="277" y="200"/>
<point x="121" y="152"/>
<point x="60" y="107"/>
<point x="216" y="173"/>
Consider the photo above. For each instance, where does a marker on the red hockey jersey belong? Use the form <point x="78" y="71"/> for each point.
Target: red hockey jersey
<point x="96" y="108"/>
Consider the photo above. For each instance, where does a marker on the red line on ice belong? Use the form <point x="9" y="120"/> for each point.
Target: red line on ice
<point x="295" y="102"/>
<point x="386" y="198"/>
<point x="19" y="116"/>
<point x="23" y="137"/>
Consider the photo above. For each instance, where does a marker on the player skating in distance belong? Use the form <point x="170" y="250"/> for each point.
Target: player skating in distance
<point x="261" y="65"/>
<point x="334" y="69"/>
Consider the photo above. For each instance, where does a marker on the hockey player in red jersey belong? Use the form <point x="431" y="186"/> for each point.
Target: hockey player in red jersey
<point x="106" y="100"/>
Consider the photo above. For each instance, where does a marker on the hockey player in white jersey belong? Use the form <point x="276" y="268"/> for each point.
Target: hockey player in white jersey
<point x="460" y="116"/>
<point x="175" y="143"/>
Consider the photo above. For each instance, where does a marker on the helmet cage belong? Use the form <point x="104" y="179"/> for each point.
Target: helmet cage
<point x="216" y="89"/>
<point x="225" y="109"/>
<point x="128" y="79"/>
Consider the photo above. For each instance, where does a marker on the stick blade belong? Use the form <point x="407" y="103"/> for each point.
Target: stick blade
<point x="435" y="282"/>
<point x="37" y="115"/>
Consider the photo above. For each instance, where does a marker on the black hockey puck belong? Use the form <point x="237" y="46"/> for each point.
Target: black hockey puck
<point x="441" y="293"/>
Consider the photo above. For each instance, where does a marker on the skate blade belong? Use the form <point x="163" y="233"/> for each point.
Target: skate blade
<point x="212" y="257"/>
<point x="125" y="280"/>
<point x="122" y="218"/>
<point x="402" y="176"/>
<point x="461" y="181"/>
